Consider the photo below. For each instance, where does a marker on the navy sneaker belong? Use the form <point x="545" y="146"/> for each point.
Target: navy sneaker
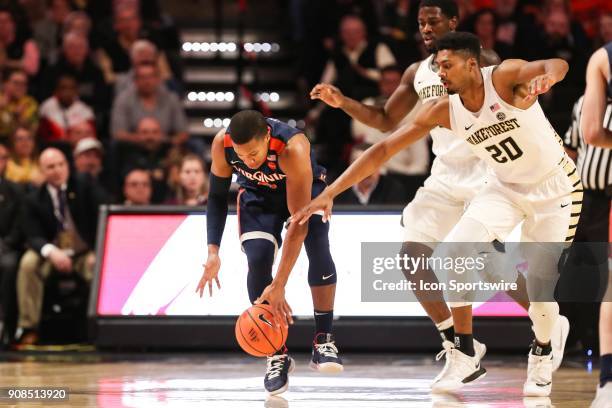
<point x="325" y="357"/>
<point x="280" y="365"/>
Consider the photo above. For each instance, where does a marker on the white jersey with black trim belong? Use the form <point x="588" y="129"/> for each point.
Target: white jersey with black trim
<point x="519" y="145"/>
<point x="447" y="147"/>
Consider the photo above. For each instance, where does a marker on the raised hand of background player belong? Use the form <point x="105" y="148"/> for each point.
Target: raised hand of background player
<point x="323" y="203"/>
<point x="274" y="295"/>
<point x="539" y="85"/>
<point x="328" y="94"/>
<point x="211" y="272"/>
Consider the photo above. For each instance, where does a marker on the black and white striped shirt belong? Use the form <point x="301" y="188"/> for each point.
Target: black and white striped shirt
<point x="594" y="163"/>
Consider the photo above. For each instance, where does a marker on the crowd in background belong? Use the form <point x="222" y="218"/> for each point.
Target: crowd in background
<point x="350" y="42"/>
<point x="91" y="111"/>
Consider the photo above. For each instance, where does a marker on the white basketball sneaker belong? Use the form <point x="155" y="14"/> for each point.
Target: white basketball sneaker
<point x="461" y="369"/>
<point x="479" y="348"/>
<point x="603" y="398"/>
<point x="558" y="338"/>
<point x="539" y="376"/>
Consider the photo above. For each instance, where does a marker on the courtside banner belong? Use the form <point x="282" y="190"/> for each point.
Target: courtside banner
<point x="151" y="265"/>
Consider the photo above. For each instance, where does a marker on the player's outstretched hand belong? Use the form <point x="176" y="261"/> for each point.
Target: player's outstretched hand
<point x="539" y="85"/>
<point x="322" y="204"/>
<point x="274" y="295"/>
<point x="211" y="272"/>
<point x="328" y="94"/>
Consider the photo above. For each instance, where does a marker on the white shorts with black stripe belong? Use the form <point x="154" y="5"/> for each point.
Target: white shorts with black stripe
<point x="550" y="208"/>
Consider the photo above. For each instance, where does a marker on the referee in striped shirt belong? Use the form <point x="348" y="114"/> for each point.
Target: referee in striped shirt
<point x="583" y="266"/>
<point x="595" y="167"/>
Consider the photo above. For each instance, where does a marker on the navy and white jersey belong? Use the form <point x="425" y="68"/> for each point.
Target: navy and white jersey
<point x="269" y="177"/>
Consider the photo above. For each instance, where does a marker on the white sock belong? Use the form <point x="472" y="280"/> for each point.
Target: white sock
<point x="445" y="324"/>
<point x="543" y="316"/>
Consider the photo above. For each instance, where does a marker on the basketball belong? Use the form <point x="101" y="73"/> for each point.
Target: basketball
<point x="256" y="332"/>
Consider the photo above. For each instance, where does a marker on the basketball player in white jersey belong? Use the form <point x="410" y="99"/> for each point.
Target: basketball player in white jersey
<point x="457" y="175"/>
<point x="495" y="110"/>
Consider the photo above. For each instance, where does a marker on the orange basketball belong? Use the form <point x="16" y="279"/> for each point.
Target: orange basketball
<point x="256" y="332"/>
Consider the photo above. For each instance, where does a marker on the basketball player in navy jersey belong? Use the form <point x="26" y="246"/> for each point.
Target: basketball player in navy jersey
<point x="277" y="174"/>
<point x="495" y="109"/>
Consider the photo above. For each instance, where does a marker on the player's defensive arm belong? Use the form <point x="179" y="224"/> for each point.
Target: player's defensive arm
<point x="386" y="118"/>
<point x="515" y="72"/>
<point x="594" y="104"/>
<point x="431" y="114"/>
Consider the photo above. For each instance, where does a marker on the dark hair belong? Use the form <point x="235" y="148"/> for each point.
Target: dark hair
<point x="448" y="7"/>
<point x="460" y="41"/>
<point x="136" y="167"/>
<point x="391" y="68"/>
<point x="64" y="76"/>
<point x="8" y="72"/>
<point x="247" y="125"/>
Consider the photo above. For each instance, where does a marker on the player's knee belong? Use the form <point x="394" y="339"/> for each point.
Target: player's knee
<point x="322" y="271"/>
<point x="260" y="255"/>
<point x="543" y="309"/>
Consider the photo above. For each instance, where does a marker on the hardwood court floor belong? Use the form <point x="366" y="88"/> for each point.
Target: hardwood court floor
<point x="222" y="380"/>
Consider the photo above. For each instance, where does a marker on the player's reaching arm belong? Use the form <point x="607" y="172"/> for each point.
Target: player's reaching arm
<point x="216" y="212"/>
<point x="594" y="104"/>
<point x="295" y="162"/>
<point x="431" y="114"/>
<point x="384" y="118"/>
<point x="515" y="77"/>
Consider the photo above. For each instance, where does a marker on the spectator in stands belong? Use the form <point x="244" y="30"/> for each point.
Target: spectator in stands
<point x="193" y="182"/>
<point x="137" y="188"/>
<point x="10" y="248"/>
<point x="145" y="52"/>
<point x="374" y="189"/>
<point x="63" y="110"/>
<point x="398" y="25"/>
<point x="75" y="61"/>
<point x="410" y="166"/>
<point x="355" y="64"/>
<point x="483" y="23"/>
<point x="22" y="167"/>
<point x="148" y="99"/>
<point x="79" y="131"/>
<point x="60" y="220"/>
<point x="17" y="108"/>
<point x="16" y="52"/>
<point x="150" y="150"/>
<point x="558" y="41"/>
<point x="315" y="28"/>
<point x="605" y="29"/>
<point x="355" y="69"/>
<point x="47" y="32"/>
<point x="114" y="55"/>
<point x="88" y="155"/>
<point x="80" y="23"/>
<point x="515" y="28"/>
